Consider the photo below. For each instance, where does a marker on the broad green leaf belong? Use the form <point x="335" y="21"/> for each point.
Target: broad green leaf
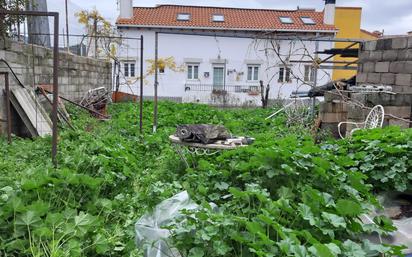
<point x="298" y="251"/>
<point x="221" y="248"/>
<point x="335" y="220"/>
<point x="101" y="243"/>
<point x="54" y="219"/>
<point x="307" y="214"/>
<point x="321" y="250"/>
<point x="352" y="249"/>
<point x="255" y="227"/>
<point x="196" y="252"/>
<point x="348" y="208"/>
<point x="334" y="249"/>
<point x="222" y="186"/>
<point x="28" y="218"/>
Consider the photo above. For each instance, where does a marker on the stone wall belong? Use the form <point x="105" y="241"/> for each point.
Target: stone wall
<point x="387" y="62"/>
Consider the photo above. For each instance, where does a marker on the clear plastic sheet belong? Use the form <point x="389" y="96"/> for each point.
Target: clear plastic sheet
<point x="150" y="236"/>
<point x="403" y="235"/>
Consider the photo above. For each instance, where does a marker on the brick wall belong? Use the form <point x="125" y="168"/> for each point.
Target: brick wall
<point x="387" y="62"/>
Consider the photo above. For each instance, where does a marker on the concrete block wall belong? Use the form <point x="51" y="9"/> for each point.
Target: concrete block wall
<point x="33" y="65"/>
<point x="335" y="108"/>
<point x="387" y="62"/>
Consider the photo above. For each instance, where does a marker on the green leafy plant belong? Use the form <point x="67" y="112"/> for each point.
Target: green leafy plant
<point x="282" y="196"/>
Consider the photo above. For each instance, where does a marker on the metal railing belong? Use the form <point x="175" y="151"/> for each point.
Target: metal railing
<point x="221" y="89"/>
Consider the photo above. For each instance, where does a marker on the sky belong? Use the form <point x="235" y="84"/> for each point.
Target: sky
<point x="392" y="16"/>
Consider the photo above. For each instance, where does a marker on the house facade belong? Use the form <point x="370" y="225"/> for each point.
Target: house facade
<point x="218" y="55"/>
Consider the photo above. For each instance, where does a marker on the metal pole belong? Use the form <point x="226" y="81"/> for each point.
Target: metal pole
<point x="95" y="39"/>
<point x="55" y="87"/>
<point x="67" y="26"/>
<point x="315" y="79"/>
<point x="156" y="82"/>
<point x="141" y="84"/>
<point x="224" y="84"/>
<point x="55" y="16"/>
<point x="8" y="108"/>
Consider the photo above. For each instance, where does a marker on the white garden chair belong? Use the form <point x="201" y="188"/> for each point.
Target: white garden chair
<point x="373" y="120"/>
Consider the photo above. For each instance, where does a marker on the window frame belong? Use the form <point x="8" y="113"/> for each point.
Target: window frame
<point x="182" y="17"/>
<point x="216" y="19"/>
<point x="283" y="20"/>
<point x="129" y="69"/>
<point x="307" y="20"/>
<point x="285" y="74"/>
<point x="309" y="73"/>
<point x="254" y="76"/>
<point x="191" y="75"/>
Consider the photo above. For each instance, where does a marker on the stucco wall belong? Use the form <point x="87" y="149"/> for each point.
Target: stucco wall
<point x="238" y="53"/>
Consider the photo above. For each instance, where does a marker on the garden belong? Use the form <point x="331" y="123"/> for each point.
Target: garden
<point x="287" y="194"/>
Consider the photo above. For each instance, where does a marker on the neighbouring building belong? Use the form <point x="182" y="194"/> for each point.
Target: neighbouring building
<point x="348" y="23"/>
<point x="221" y="54"/>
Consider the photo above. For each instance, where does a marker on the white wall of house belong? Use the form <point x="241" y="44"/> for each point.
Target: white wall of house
<point x="215" y="56"/>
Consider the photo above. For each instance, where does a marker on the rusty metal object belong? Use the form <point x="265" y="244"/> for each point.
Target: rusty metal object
<point x="8" y="107"/>
<point x="43" y="92"/>
<point x="80" y="106"/>
<point x="96" y="99"/>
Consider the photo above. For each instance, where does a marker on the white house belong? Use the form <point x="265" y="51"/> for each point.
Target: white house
<point x="222" y="53"/>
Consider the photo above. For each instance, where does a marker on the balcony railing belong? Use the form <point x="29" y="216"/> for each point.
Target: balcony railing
<point x="220" y="89"/>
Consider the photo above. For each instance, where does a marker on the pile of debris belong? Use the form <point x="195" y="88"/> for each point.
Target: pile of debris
<point x="96" y="100"/>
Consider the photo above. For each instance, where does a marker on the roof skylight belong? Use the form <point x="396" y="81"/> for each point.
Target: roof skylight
<point x="218" y="18"/>
<point x="286" y="20"/>
<point x="183" y="16"/>
<point x="308" y="20"/>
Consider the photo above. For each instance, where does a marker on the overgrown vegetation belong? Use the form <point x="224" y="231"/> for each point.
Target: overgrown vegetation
<point x="282" y="196"/>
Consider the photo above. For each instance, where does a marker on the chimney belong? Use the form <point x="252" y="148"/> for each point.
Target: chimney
<point x="329" y="12"/>
<point x="126" y="9"/>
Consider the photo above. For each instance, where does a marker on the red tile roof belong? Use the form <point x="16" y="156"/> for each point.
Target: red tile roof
<point x="235" y="18"/>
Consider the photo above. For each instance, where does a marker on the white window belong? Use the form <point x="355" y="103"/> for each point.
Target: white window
<point x="193" y="71"/>
<point x="183" y="16"/>
<point x="218" y="18"/>
<point x="129" y="69"/>
<point x="286" y="20"/>
<point x="308" y="20"/>
<point x="284" y="74"/>
<point x="253" y="72"/>
<point x="309" y="73"/>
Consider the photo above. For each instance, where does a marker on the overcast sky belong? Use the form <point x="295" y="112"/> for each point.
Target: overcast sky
<point x="392" y="16"/>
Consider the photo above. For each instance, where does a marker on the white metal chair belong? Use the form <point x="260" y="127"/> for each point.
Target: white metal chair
<point x="373" y="120"/>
